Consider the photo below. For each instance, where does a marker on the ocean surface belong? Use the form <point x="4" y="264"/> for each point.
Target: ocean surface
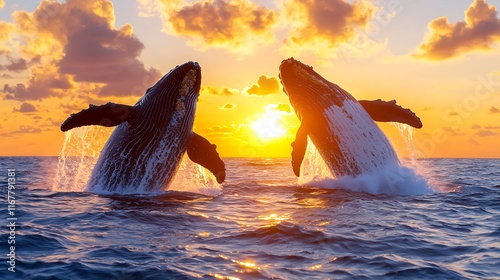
<point x="262" y="223"/>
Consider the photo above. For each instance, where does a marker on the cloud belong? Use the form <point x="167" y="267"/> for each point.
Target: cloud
<point x="236" y="25"/>
<point x="228" y="106"/>
<point x="494" y="110"/>
<point x="453" y="114"/>
<point x="453" y="132"/>
<point x="2" y="4"/>
<point x="27" y="129"/>
<point x="319" y="22"/>
<point x="492" y="127"/>
<point x="26" y="108"/>
<point x="265" y="85"/>
<point x="218" y="91"/>
<point x="476" y="126"/>
<point x="5" y="35"/>
<point x="473" y="142"/>
<point x="479" y="31"/>
<point x="485" y="133"/>
<point x="427" y="109"/>
<point x="222" y="130"/>
<point x="17" y="65"/>
<point x="281" y="107"/>
<point x="75" y="43"/>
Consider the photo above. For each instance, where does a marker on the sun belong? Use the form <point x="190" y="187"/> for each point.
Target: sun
<point x="269" y="125"/>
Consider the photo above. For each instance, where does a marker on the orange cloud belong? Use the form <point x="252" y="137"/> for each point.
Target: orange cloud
<point x="218" y="91"/>
<point x="494" y="110"/>
<point x="485" y="133"/>
<point x="228" y="106"/>
<point x="26" y="108"/>
<point x="2" y="4"/>
<point x="236" y="25"/>
<point x="319" y="22"/>
<point x="265" y="85"/>
<point x="284" y="108"/>
<point x="479" y="31"/>
<point x="66" y="45"/>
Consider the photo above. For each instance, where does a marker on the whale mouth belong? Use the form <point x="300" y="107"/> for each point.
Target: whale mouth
<point x="185" y="77"/>
<point x="307" y="90"/>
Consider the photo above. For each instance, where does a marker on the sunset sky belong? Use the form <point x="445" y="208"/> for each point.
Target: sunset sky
<point x="439" y="58"/>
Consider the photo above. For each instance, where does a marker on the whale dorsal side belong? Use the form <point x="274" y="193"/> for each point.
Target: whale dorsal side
<point x="110" y="114"/>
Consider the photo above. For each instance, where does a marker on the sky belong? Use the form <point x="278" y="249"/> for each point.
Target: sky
<point x="439" y="58"/>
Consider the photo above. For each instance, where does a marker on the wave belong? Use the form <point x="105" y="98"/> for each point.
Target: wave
<point x="392" y="179"/>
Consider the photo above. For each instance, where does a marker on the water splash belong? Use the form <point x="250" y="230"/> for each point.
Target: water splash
<point x="406" y="132"/>
<point x="78" y="156"/>
<point x="313" y="166"/>
<point x="192" y="177"/>
<point x="391" y="179"/>
<point x="81" y="149"/>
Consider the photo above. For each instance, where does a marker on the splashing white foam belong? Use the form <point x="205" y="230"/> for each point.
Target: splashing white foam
<point x="77" y="158"/>
<point x="82" y="147"/>
<point x="391" y="179"/>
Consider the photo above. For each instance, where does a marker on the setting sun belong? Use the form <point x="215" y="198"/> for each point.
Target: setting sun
<point x="269" y="126"/>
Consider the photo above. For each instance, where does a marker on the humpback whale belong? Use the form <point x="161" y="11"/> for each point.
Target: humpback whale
<point x="341" y="128"/>
<point x="150" y="138"/>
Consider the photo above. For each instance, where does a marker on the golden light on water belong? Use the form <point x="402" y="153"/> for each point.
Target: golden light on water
<point x="274" y="218"/>
<point x="318" y="266"/>
<point x="204" y="234"/>
<point x="219" y="276"/>
<point x="247" y="264"/>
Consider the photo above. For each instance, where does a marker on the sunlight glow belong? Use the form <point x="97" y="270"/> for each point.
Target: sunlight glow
<point x="270" y="124"/>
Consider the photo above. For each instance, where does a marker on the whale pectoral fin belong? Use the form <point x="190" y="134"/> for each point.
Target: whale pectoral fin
<point x="204" y="153"/>
<point x="389" y="111"/>
<point x="299" y="149"/>
<point x="110" y="114"/>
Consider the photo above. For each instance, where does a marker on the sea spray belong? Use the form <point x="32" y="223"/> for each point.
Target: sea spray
<point x="78" y="155"/>
<point x="391" y="179"/>
<point x="81" y="149"/>
<point x="192" y="177"/>
<point x="313" y="166"/>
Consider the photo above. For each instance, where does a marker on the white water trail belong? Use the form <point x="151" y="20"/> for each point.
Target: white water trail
<point x="396" y="179"/>
<point x="81" y="149"/>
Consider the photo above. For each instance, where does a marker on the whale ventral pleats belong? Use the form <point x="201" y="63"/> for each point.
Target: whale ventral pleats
<point x="144" y="154"/>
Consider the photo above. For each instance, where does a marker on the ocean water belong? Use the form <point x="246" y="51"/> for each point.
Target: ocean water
<point x="261" y="224"/>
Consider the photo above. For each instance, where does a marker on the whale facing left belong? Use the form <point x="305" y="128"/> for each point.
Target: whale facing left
<point x="145" y="149"/>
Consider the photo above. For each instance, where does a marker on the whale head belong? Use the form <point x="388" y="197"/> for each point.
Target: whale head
<point x="308" y="91"/>
<point x="175" y="95"/>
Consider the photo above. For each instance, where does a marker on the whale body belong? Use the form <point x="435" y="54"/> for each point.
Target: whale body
<point x="145" y="149"/>
<point x="342" y="129"/>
